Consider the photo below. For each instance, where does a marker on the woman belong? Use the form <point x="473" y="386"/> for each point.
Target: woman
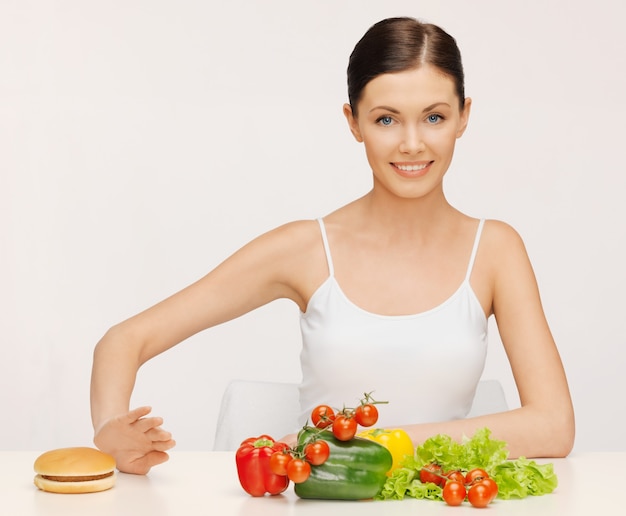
<point x="395" y="288"/>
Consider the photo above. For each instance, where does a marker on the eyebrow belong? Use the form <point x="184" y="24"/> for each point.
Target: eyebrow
<point x="395" y="111"/>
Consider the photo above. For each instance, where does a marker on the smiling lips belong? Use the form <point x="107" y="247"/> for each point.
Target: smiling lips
<point x="411" y="170"/>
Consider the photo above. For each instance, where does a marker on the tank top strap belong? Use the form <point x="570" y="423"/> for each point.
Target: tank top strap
<point x="329" y="260"/>
<point x="474" y="249"/>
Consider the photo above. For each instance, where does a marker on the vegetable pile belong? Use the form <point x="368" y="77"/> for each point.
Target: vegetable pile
<point x="332" y="461"/>
<point x="421" y="476"/>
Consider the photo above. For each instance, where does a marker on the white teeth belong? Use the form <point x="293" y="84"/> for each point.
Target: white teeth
<point x="411" y="168"/>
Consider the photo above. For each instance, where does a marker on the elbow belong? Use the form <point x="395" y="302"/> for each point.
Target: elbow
<point x="560" y="432"/>
<point x="566" y="442"/>
<point x="117" y="344"/>
<point x="102" y="344"/>
<point x="107" y="342"/>
<point x="562" y="448"/>
<point x="549" y="432"/>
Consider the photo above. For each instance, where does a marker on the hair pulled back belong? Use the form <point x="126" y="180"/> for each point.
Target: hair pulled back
<point x="400" y="44"/>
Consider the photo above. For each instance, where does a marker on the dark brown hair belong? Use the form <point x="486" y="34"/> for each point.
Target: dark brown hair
<point x="400" y="44"/>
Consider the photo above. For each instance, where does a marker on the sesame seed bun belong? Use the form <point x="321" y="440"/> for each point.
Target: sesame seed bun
<point x="74" y="470"/>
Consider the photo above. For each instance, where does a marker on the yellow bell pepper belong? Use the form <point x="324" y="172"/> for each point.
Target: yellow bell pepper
<point x="396" y="440"/>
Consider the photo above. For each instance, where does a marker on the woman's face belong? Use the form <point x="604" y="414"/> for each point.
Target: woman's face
<point x="409" y="122"/>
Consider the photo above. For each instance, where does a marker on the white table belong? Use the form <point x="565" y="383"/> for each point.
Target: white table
<point x="206" y="483"/>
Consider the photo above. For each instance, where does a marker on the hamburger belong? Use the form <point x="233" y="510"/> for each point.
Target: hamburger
<point x="74" y="470"/>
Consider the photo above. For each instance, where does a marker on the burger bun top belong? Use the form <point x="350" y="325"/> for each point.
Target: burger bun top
<point x="74" y="462"/>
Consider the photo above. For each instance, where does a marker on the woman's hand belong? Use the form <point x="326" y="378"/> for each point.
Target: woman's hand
<point x="290" y="439"/>
<point x="136" y="442"/>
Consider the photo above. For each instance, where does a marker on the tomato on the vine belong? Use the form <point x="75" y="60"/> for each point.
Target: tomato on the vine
<point x="475" y="474"/>
<point x="298" y="470"/>
<point x="344" y="427"/>
<point x="492" y="486"/>
<point x="479" y="495"/>
<point x="455" y="475"/>
<point x="432" y="473"/>
<point x="279" y="461"/>
<point x="366" y="414"/>
<point x="322" y="416"/>
<point x="317" y="452"/>
<point x="454" y="492"/>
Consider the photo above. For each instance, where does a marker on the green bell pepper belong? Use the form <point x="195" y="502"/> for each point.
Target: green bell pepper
<point x="355" y="469"/>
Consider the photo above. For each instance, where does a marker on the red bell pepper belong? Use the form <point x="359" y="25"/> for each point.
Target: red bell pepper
<point x="253" y="466"/>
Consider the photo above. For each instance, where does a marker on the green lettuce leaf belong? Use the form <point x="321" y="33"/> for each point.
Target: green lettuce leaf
<point x="515" y="478"/>
<point x="406" y="483"/>
<point x="523" y="477"/>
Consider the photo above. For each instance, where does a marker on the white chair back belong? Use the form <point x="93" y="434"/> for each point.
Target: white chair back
<point x="252" y="408"/>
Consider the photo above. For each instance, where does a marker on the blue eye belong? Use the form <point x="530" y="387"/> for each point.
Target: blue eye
<point x="385" y="120"/>
<point x="434" y="119"/>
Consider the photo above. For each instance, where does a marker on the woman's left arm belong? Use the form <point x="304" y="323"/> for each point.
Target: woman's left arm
<point x="544" y="424"/>
<point x="547" y="428"/>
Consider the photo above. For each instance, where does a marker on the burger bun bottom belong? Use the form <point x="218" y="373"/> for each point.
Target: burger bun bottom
<point x="87" y="486"/>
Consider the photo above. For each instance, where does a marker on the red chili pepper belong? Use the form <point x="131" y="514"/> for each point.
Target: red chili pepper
<point x="253" y="466"/>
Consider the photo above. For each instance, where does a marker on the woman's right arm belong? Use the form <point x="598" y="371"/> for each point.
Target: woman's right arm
<point x="262" y="271"/>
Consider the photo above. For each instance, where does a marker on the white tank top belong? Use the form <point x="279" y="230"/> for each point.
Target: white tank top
<point x="426" y="365"/>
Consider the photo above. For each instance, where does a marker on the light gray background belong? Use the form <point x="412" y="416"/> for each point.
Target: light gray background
<point x="141" y="142"/>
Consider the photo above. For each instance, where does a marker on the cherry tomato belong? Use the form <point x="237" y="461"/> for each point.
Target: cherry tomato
<point x="344" y="427"/>
<point x="479" y="495"/>
<point x="278" y="462"/>
<point x="475" y="474"/>
<point x="491" y="486"/>
<point x="432" y="473"/>
<point x="366" y="415"/>
<point x="454" y="492"/>
<point x="322" y="416"/>
<point x="317" y="452"/>
<point x="455" y="475"/>
<point x="298" y="470"/>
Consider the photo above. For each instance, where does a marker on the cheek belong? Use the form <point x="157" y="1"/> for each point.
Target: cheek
<point x="377" y="152"/>
<point x="379" y="142"/>
<point x="443" y="141"/>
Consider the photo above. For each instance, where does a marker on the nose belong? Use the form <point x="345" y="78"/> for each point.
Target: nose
<point x="412" y="142"/>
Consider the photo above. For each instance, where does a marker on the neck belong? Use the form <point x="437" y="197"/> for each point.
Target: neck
<point x="407" y="215"/>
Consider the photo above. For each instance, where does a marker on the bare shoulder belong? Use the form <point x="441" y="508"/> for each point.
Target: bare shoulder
<point x="276" y="254"/>
<point x="500" y="231"/>
<point x="502" y="241"/>
<point x="302" y="240"/>
<point x="281" y="252"/>
<point x="507" y="260"/>
<point x="294" y="236"/>
<point x="296" y="257"/>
